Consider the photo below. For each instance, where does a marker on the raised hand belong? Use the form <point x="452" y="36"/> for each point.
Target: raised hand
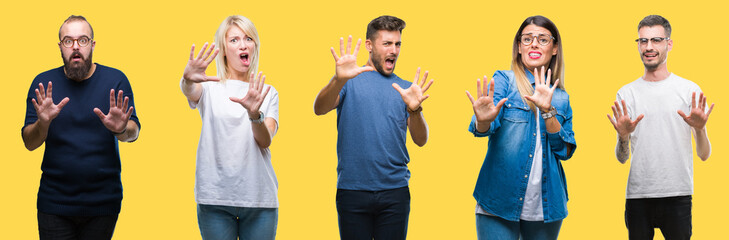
<point x="698" y="116"/>
<point x="346" y="62"/>
<point x="45" y="109"/>
<point x="621" y="121"/>
<point x="254" y="97"/>
<point x="542" y="96"/>
<point x="119" y="113"/>
<point x="195" y="69"/>
<point x="483" y="106"/>
<point x="413" y="96"/>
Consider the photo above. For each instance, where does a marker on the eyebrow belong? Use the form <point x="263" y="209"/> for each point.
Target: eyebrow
<point x="77" y="37"/>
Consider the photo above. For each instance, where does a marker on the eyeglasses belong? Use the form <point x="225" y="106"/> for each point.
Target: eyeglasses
<point x="542" y="39"/>
<point x="655" y="40"/>
<point x="82" y="41"/>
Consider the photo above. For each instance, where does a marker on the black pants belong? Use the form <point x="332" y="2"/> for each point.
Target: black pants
<point x="373" y="214"/>
<point x="55" y="227"/>
<point x="672" y="215"/>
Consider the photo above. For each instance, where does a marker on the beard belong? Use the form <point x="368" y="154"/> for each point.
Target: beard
<point x="652" y="66"/>
<point x="74" y="70"/>
<point x="378" y="61"/>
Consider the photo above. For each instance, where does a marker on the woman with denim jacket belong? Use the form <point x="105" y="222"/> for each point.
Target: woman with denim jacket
<point x="521" y="190"/>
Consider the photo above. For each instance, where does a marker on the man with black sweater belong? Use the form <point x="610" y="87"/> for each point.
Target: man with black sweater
<point x="80" y="190"/>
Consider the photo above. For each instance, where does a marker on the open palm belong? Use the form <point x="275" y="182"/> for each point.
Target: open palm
<point x="483" y="106"/>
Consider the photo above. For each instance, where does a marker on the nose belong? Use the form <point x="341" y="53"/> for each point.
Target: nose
<point x="75" y="45"/>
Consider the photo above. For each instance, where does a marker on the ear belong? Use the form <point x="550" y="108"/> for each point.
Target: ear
<point x="554" y="51"/>
<point x="368" y="45"/>
<point x="670" y="44"/>
<point x="93" y="45"/>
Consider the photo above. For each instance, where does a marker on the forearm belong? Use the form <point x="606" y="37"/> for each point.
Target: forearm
<point x="328" y="97"/>
<point x="130" y="134"/>
<point x="34" y="135"/>
<point x="418" y="128"/>
<point x="703" y="146"/>
<point x="483" y="126"/>
<point x="263" y="132"/>
<point x="192" y="90"/>
<point x="622" y="150"/>
<point x="552" y="125"/>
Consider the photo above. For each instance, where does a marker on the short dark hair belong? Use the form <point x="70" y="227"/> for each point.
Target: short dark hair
<point x="384" y="22"/>
<point x="653" y="20"/>
<point x="74" y="18"/>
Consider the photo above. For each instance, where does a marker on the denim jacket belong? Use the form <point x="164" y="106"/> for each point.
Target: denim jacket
<point x="504" y="175"/>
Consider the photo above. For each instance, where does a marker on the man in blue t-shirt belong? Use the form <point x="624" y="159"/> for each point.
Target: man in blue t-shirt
<point x="80" y="191"/>
<point x="373" y="199"/>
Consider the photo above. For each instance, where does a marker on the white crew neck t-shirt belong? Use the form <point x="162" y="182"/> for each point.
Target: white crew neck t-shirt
<point x="232" y="170"/>
<point x="661" y="164"/>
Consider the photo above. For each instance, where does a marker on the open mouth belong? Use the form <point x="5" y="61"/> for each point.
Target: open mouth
<point x="76" y="57"/>
<point x="535" y="55"/>
<point x="390" y="62"/>
<point x="244" y="58"/>
<point x="650" y="55"/>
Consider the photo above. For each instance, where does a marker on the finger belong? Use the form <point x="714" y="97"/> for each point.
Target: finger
<point x="417" y="76"/>
<point x="537" y="76"/>
<point x="263" y="97"/>
<point x="683" y="115"/>
<point x="49" y="91"/>
<point x="529" y="98"/>
<point x="479" y="90"/>
<point x="129" y="113"/>
<point x="468" y="94"/>
<point x="63" y="103"/>
<point x="422" y="99"/>
<point x="356" y="47"/>
<point x="425" y="77"/>
<point x="625" y="109"/>
<point x="365" y="69"/>
<point x="120" y="99"/>
<point x="212" y="78"/>
<point x="112" y="101"/>
<point x="555" y="85"/>
<point x="341" y="46"/>
<point x="349" y="45"/>
<point x="428" y="86"/>
<point x="99" y="113"/>
<point x="215" y="54"/>
<point x="238" y="100"/>
<point x="501" y="103"/>
<point x="491" y="89"/>
<point x="202" y="50"/>
<point x="638" y="119"/>
<point x="398" y="88"/>
<point x="612" y="120"/>
<point x="259" y="82"/>
<point x="252" y="80"/>
<point x="263" y="83"/>
<point x="125" y="105"/>
<point x="42" y="90"/>
<point x="334" y="54"/>
<point x="693" y="99"/>
<point x="709" y="112"/>
<point x="549" y="76"/>
<point x="616" y="112"/>
<point x="192" y="51"/>
<point x="38" y="95"/>
<point x="702" y="101"/>
<point x="208" y="52"/>
<point x="35" y="104"/>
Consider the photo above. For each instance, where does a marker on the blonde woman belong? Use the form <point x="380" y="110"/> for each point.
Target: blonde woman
<point x="236" y="187"/>
<point x="521" y="191"/>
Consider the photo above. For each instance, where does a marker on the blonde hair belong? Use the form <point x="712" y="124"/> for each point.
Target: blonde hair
<point x="249" y="29"/>
<point x="556" y="63"/>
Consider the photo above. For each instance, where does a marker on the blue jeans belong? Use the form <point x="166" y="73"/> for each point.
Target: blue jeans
<point x="55" y="227"/>
<point x="496" y="228"/>
<point x="671" y="214"/>
<point x="364" y="215"/>
<point x="230" y="223"/>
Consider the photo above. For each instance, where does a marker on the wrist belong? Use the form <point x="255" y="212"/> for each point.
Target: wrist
<point x="120" y="133"/>
<point x="256" y="117"/>
<point x="418" y="110"/>
<point x="548" y="113"/>
<point x="624" y="137"/>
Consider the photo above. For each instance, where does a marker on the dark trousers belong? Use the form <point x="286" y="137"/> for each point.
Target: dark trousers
<point x="672" y="215"/>
<point x="55" y="227"/>
<point x="373" y="214"/>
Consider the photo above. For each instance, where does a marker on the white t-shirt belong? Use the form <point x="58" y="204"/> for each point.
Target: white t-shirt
<point x="232" y="170"/>
<point x="662" y="155"/>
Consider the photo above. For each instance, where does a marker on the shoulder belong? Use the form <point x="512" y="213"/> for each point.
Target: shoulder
<point x="682" y="81"/>
<point x="630" y="86"/>
<point x="272" y="92"/>
<point x="51" y="74"/>
<point x="108" y="70"/>
<point x="403" y="83"/>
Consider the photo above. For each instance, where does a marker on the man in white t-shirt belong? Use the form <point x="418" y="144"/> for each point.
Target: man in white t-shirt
<point x="669" y="110"/>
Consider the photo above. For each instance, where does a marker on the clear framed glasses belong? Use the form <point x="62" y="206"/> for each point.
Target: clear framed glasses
<point x="82" y="41"/>
<point x="542" y="39"/>
<point x="655" y="40"/>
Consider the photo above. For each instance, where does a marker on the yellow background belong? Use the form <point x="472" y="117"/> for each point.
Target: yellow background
<point x="456" y="41"/>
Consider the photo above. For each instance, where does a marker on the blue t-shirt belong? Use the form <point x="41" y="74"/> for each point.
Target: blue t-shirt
<point x="81" y="166"/>
<point x="372" y="126"/>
